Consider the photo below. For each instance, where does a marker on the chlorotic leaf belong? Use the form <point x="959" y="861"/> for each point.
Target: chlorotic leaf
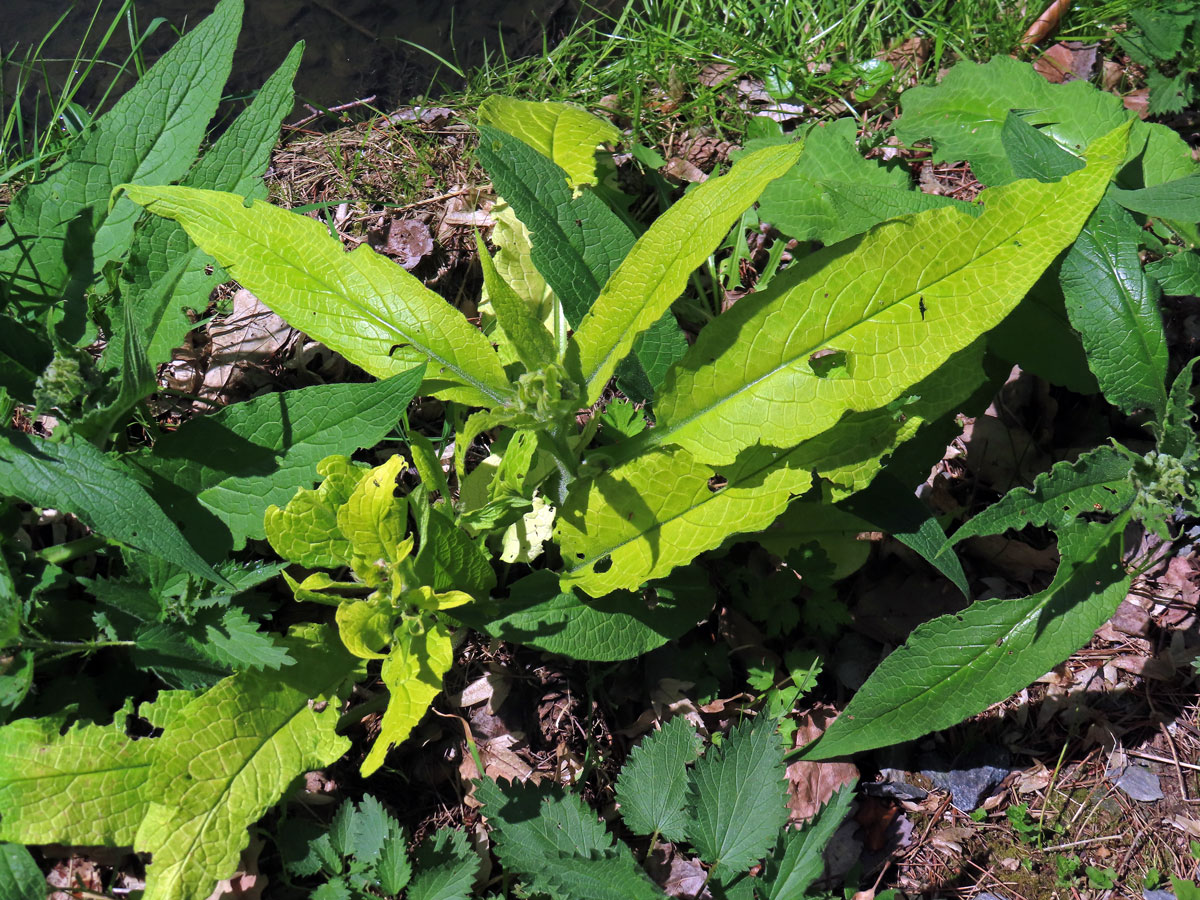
<point x="1114" y="306"/>
<point x="413" y="674"/>
<point x="306" y="530"/>
<point x="650" y="789"/>
<point x="563" y="133"/>
<point x="76" y="477"/>
<point x="534" y="344"/>
<point x="373" y="519"/>
<point x="360" y="304"/>
<point x="869" y="317"/>
<point x="228" y="756"/>
<point x="656" y="270"/>
<point x="739" y="798"/>
<point x="957" y="665"/>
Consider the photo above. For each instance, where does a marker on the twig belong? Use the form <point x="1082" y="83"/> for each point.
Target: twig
<point x="1084" y="843"/>
<point x="440" y="197"/>
<point x="1183" y="791"/>
<point x="1162" y="759"/>
<point x="317" y="113"/>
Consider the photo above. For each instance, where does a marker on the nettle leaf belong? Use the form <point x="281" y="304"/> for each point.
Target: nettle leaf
<point x="360" y="303"/>
<point x="166" y="273"/>
<point x="957" y="665"/>
<point x="563" y="133"/>
<point x="798" y="862"/>
<point x="413" y="673"/>
<point x="392" y="866"/>
<point x="151" y="134"/>
<point x="1179" y="275"/>
<point x="869" y="317"/>
<point x="619" y="625"/>
<point x="965" y="113"/>
<point x="662" y="509"/>
<point x="833" y="192"/>
<point x="228" y="756"/>
<point x="542" y="833"/>
<point x="1096" y="482"/>
<point x="446" y="866"/>
<point x="650" y="789"/>
<point x="599" y="878"/>
<point x="98" y="766"/>
<point x="655" y="271"/>
<point x="738" y="798"/>
<point x="247" y="457"/>
<point x="1114" y="307"/>
<point x="76" y="477"/>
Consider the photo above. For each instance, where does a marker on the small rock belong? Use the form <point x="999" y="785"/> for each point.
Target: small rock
<point x="1140" y="784"/>
<point x="894" y="790"/>
<point x="1158" y="895"/>
<point x="972" y="777"/>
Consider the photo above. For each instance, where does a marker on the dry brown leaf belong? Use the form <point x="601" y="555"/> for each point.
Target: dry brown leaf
<point x="811" y="784"/>
<point x="1138" y="102"/>
<point x="677" y="875"/>
<point x="408" y="240"/>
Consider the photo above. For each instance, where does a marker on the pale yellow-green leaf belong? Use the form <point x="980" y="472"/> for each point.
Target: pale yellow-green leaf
<point x="305" y="531"/>
<point x="413" y="674"/>
<point x="426" y="598"/>
<point x="374" y="520"/>
<point x="527" y="335"/>
<point x="476" y="487"/>
<point x="228" y="756"/>
<point x="361" y="304"/>
<point x="662" y="509"/>
<point x="565" y="134"/>
<point x="656" y="270"/>
<point x="313" y="587"/>
<point x="523" y="539"/>
<point x="428" y="464"/>
<point x="890" y="306"/>
<point x="365" y="626"/>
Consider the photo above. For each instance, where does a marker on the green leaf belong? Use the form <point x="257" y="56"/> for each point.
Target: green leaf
<point x="360" y="304"/>
<point x="151" y="134"/>
<point x="651" y="789"/>
<point x="237" y="643"/>
<point x="599" y="878"/>
<point x="558" y="131"/>
<point x="1177" y="200"/>
<point x="661" y="509"/>
<point x="1114" y="307"/>
<point x="619" y="625"/>
<point x="228" y="756"/>
<point x="533" y="343"/>
<point x="1179" y="275"/>
<point x="542" y="833"/>
<point x="392" y="867"/>
<point x="793" y="871"/>
<point x="166" y="273"/>
<point x="1168" y="93"/>
<point x="413" y="674"/>
<point x="894" y="304"/>
<point x="957" y="665"/>
<point x="739" y="798"/>
<point x="75" y="477"/>
<point x="247" y="457"/>
<point x="447" y="867"/>
<point x="1097" y="481"/>
<point x="449" y="558"/>
<point x="306" y="530"/>
<point x="20" y="877"/>
<point x="1033" y="154"/>
<point x="658" y="266"/>
<point x="832" y="192"/>
<point x="965" y="113"/>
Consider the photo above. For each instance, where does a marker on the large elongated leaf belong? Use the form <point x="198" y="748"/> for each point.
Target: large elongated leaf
<point x="661" y="509"/>
<point x="958" y="665"/>
<point x="563" y="133"/>
<point x="655" y="271"/>
<point x="249" y="456"/>
<point x="228" y="756"/>
<point x="851" y="327"/>
<point x="168" y="274"/>
<point x="150" y="135"/>
<point x="1114" y="306"/>
<point x="76" y="477"/>
<point x="360" y="304"/>
<point x="1178" y="200"/>
<point x="965" y="113"/>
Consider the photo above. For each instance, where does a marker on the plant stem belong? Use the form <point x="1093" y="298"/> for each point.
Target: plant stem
<point x="60" y="554"/>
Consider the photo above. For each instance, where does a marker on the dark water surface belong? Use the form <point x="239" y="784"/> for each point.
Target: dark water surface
<point x="352" y="46"/>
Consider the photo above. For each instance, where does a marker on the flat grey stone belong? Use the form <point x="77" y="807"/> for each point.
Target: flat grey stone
<point x="971" y="778"/>
<point x="1158" y="895"/>
<point x="1140" y="784"/>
